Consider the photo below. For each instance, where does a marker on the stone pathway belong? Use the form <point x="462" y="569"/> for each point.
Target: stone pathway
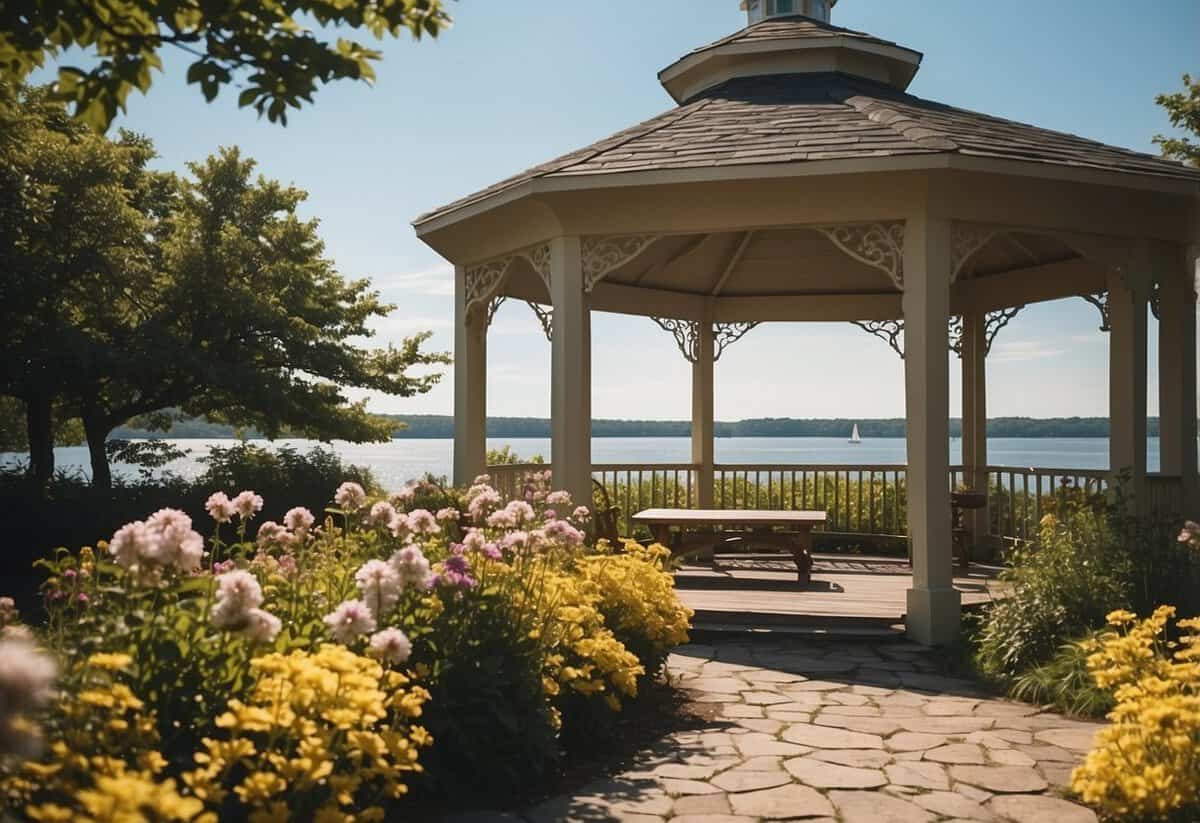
<point x="839" y="731"/>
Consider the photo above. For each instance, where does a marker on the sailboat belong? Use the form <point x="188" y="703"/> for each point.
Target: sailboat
<point x="854" y="438"/>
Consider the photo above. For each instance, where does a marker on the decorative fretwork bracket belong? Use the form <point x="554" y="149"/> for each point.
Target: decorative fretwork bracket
<point x="1100" y="301"/>
<point x="545" y="316"/>
<point x="483" y="280"/>
<point x="993" y="322"/>
<point x="888" y="331"/>
<point x="687" y="336"/>
<point x="965" y="240"/>
<point x="602" y="255"/>
<point x="880" y="245"/>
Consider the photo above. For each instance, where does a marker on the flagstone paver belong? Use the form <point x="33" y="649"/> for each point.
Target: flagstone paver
<point x="847" y="732"/>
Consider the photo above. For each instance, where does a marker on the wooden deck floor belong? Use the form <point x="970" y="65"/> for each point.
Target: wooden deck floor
<point x="841" y="588"/>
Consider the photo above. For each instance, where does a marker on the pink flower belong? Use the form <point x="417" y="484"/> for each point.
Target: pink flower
<point x="447" y="515"/>
<point x="299" y="520"/>
<point x="131" y="545"/>
<point x="520" y="511"/>
<point x="403" y="497"/>
<point x="382" y="513"/>
<point x="271" y="533"/>
<point x="350" y="620"/>
<point x="350" y="496"/>
<point x="380" y="585"/>
<point x="423" y="522"/>
<point x="175" y="544"/>
<point x="247" y="504"/>
<point x="412" y="566"/>
<point x="261" y="626"/>
<point x="502" y="519"/>
<point x="390" y="645"/>
<point x="219" y="507"/>
<point x="558" y="498"/>
<point x="581" y="513"/>
<point x="237" y="594"/>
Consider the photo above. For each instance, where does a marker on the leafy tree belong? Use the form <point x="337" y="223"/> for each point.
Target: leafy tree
<point x="74" y="225"/>
<point x="264" y="45"/>
<point x="247" y="323"/>
<point x="14" y="435"/>
<point x="1184" y="110"/>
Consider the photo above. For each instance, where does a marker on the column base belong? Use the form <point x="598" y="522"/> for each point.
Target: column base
<point x="934" y="616"/>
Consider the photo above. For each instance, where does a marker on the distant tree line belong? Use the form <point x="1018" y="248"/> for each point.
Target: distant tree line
<point x="442" y="426"/>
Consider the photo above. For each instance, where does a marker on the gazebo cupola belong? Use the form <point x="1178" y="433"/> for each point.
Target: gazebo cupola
<point x="758" y="10"/>
<point x="790" y="37"/>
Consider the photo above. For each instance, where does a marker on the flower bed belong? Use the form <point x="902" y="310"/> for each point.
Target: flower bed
<point x="324" y="670"/>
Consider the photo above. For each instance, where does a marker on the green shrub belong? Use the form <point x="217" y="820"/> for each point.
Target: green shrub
<point x="1061" y="586"/>
<point x="1064" y="683"/>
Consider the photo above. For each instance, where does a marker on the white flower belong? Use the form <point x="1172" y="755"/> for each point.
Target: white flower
<point x="558" y="498"/>
<point x="219" y="507"/>
<point x="400" y="499"/>
<point x="261" y="626"/>
<point x="520" y="511"/>
<point x="390" y="645"/>
<point x="421" y="521"/>
<point x="131" y="545"/>
<point x="350" y="496"/>
<point x="399" y="526"/>
<point x="174" y="543"/>
<point x="299" y="519"/>
<point x="380" y="585"/>
<point x="382" y="513"/>
<point x="447" y="515"/>
<point x="26" y="684"/>
<point x="238" y="593"/>
<point x="26" y="675"/>
<point x="412" y="566"/>
<point x="271" y="533"/>
<point x="246" y="504"/>
<point x="349" y="620"/>
<point x="502" y="519"/>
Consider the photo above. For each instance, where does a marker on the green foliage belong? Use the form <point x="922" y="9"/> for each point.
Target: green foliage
<point x="128" y="293"/>
<point x="1184" y="110"/>
<point x="265" y="47"/>
<point x="1062" y="585"/>
<point x="507" y="457"/>
<point x="1065" y="683"/>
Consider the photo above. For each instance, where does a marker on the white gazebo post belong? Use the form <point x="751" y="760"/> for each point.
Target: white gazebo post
<point x="933" y="603"/>
<point x="974" y="411"/>
<point x="570" y="367"/>
<point x="1177" y="374"/>
<point x="702" y="410"/>
<point x="470" y="383"/>
<point x="1127" y="379"/>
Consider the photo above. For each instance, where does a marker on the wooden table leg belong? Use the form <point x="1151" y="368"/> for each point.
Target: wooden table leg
<point x="661" y="534"/>
<point x="802" y="554"/>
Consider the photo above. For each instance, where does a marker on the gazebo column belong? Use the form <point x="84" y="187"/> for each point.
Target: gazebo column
<point x="702" y="412"/>
<point x="933" y="603"/>
<point x="570" y="366"/>
<point x="1127" y="383"/>
<point x="470" y="384"/>
<point x="1177" y="376"/>
<point x="974" y="413"/>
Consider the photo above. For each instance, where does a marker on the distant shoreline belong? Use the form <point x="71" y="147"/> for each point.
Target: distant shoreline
<point x="438" y="427"/>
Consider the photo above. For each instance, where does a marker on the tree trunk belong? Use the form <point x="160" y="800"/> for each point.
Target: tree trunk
<point x="39" y="424"/>
<point x="96" y="429"/>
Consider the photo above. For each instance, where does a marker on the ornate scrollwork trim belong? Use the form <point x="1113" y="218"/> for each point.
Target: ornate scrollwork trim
<point x="539" y="258"/>
<point x="483" y="280"/>
<point x="493" y="307"/>
<point x="1100" y="301"/>
<point x="888" y="331"/>
<point x="993" y="322"/>
<point x="601" y="255"/>
<point x="687" y="336"/>
<point x="966" y="240"/>
<point x="545" y="316"/>
<point x="880" y="245"/>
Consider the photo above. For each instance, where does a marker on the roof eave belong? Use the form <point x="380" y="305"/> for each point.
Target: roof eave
<point x="1163" y="184"/>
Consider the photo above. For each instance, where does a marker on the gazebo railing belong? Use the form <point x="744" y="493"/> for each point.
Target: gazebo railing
<point x="866" y="499"/>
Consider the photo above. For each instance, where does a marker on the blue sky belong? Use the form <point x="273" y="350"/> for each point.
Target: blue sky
<point x="517" y="82"/>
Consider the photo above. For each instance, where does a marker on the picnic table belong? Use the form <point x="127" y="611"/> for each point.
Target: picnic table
<point x="702" y="531"/>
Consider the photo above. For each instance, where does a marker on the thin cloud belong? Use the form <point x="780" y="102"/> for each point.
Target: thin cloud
<point x="436" y="281"/>
<point x="1019" y="351"/>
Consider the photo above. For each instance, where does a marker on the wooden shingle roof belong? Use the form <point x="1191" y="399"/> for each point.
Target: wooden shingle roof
<point x="793" y="28"/>
<point x="807" y="117"/>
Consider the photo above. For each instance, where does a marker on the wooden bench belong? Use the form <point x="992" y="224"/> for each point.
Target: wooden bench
<point x="702" y="531"/>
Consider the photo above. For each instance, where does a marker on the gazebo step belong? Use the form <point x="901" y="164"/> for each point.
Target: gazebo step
<point x="712" y="624"/>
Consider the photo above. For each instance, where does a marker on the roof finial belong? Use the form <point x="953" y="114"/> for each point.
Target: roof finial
<point x="757" y="10"/>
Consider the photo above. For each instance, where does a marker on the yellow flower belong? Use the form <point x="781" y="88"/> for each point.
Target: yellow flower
<point x="110" y="662"/>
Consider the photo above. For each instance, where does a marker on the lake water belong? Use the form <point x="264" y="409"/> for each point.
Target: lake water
<point x="396" y="462"/>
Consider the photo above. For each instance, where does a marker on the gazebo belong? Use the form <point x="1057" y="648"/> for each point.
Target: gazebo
<point x="797" y="180"/>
